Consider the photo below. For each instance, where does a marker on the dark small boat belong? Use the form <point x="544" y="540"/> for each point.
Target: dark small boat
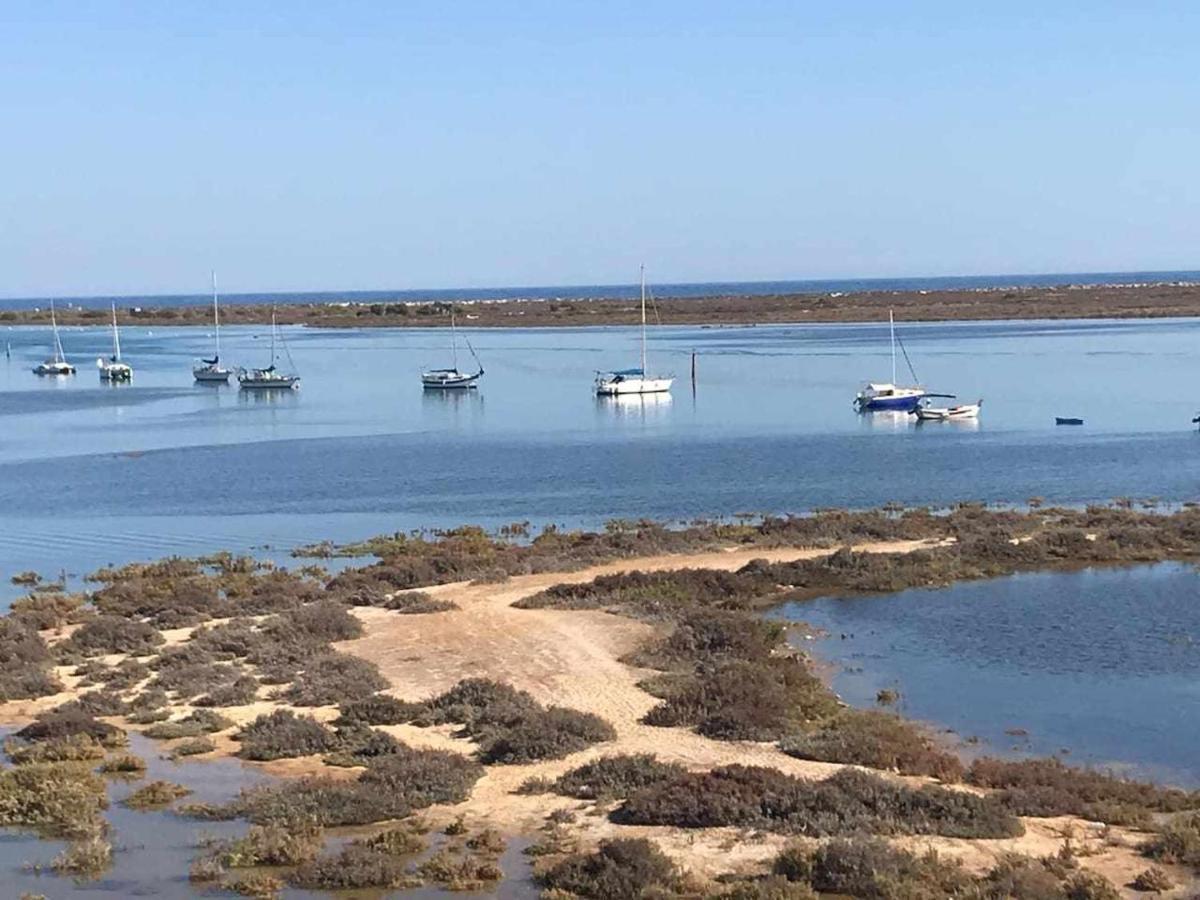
<point x="1065" y="420"/>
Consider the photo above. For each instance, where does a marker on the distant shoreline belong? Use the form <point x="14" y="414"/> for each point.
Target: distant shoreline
<point x="1116" y="301"/>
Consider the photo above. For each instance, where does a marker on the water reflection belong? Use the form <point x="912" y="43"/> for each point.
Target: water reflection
<point x="886" y="420"/>
<point x="642" y="407"/>
<point x="287" y="397"/>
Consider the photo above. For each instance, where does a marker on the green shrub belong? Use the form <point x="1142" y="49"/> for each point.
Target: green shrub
<point x="1046" y="787"/>
<point x="334" y="678"/>
<point x="114" y="634"/>
<point x="62" y="798"/>
<point x="69" y="748"/>
<point x="621" y="869"/>
<point x="873" y="870"/>
<point x="68" y="721"/>
<point x="378" y="709"/>
<point x="242" y="692"/>
<point x="192" y="747"/>
<point x="46" y="610"/>
<point x="89" y="857"/>
<point x="271" y="845"/>
<point x="613" y="777"/>
<point x="123" y="764"/>
<point x="1177" y="842"/>
<point x="354" y="867"/>
<point x="282" y="734"/>
<point x="848" y="802"/>
<point x="875" y="739"/>
<point x="155" y="795"/>
<point x="416" y="603"/>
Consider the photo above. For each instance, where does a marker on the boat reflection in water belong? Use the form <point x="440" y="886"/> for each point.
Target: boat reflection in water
<point x="633" y="406"/>
<point x="268" y="398"/>
<point x="887" y="420"/>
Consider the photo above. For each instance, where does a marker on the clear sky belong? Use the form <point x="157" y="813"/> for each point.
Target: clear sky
<point x="413" y="144"/>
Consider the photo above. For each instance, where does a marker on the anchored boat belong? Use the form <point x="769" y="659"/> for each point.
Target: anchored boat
<point x="876" y="396"/>
<point x="211" y="370"/>
<point x="270" y="378"/>
<point x="114" y="369"/>
<point x="58" y="364"/>
<point x="452" y="379"/>
<point x="634" y="381"/>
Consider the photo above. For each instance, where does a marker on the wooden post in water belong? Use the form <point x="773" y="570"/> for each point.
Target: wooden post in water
<point x="693" y="368"/>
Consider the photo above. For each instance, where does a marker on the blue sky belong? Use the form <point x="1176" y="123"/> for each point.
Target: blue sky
<point x="420" y="144"/>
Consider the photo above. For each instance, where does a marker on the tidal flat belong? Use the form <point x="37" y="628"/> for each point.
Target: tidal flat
<point x="616" y="700"/>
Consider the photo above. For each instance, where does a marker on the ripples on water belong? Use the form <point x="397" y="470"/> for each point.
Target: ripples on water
<point x="1104" y="663"/>
<point x="91" y="475"/>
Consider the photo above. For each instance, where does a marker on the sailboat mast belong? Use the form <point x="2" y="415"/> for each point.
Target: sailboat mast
<point x="59" y="356"/>
<point x="892" y="328"/>
<point x="453" y="339"/>
<point x="216" y="318"/>
<point x="116" y="336"/>
<point x="643" y="278"/>
<point x="272" y="336"/>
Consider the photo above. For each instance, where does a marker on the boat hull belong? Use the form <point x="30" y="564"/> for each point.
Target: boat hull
<point x="436" y="382"/>
<point x="54" y="369"/>
<point x="209" y="374"/>
<point x="889" y="404"/>
<point x="626" y="386"/>
<point x="268" y="384"/>
<point x="116" y="373"/>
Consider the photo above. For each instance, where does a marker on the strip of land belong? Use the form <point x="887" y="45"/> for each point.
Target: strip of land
<point x="1062" y="302"/>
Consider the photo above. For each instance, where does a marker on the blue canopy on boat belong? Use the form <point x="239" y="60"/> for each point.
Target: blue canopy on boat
<point x="628" y="372"/>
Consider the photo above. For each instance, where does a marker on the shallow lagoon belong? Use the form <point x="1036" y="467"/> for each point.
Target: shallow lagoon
<point x="92" y="474"/>
<point x="1102" y="663"/>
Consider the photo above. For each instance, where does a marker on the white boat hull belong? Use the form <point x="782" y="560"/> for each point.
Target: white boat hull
<point x="208" y="373"/>
<point x="949" y="414"/>
<point x="54" y="369"/>
<point x="253" y="381"/>
<point x="611" y="387"/>
<point x="115" y="372"/>
<point x="449" y="381"/>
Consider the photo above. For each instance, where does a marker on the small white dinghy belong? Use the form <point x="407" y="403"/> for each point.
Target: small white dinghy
<point x="948" y="413"/>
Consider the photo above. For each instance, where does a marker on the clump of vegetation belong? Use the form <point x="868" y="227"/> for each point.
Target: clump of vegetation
<point x="45" y="610"/>
<point x="875" y="739"/>
<point x="403" y="841"/>
<point x="61" y="798"/>
<point x="26" y="673"/>
<point x="378" y="709"/>
<point x="112" y="634"/>
<point x="88" y="857"/>
<point x="27" y="578"/>
<point x="615" y="777"/>
<point x="509" y="725"/>
<point x="621" y="869"/>
<point x="874" y="870"/>
<point x="1047" y="787"/>
<point x="124" y="675"/>
<point x="391" y="787"/>
<point x="1152" y="880"/>
<point x="1177" y="842"/>
<point x="123" y="764"/>
<point x="242" y="692"/>
<point x="262" y="885"/>
<point x="355" y="867"/>
<point x="155" y="795"/>
<point x="282" y="734"/>
<point x="196" y="723"/>
<point x="69" y="720"/>
<point x="416" y="603"/>
<point x="848" y="802"/>
<point x="192" y="747"/>
<point x="334" y="678"/>
<point x="359" y="744"/>
<point x="271" y="845"/>
<point x="69" y="748"/>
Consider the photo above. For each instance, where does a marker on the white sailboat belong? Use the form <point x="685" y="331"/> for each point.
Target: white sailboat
<point x="113" y="369"/>
<point x="889" y="396"/>
<point x="211" y="370"/>
<point x="270" y="378"/>
<point x="633" y="381"/>
<point x="452" y="379"/>
<point x="58" y="364"/>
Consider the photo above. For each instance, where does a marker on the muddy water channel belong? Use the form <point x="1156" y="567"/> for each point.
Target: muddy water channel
<point x="1100" y="666"/>
<point x="153" y="850"/>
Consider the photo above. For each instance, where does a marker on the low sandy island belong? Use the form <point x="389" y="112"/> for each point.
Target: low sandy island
<point x="572" y="659"/>
<point x="1062" y="302"/>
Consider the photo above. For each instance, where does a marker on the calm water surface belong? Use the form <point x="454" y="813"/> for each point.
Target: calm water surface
<point x="1103" y="663"/>
<point x="92" y="474"/>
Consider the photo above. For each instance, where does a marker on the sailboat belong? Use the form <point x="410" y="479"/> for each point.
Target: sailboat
<point x="452" y="379"/>
<point x="58" y="365"/>
<point x="633" y="381"/>
<point x="211" y="369"/>
<point x="270" y="378"/>
<point x="113" y="369"/>
<point x="876" y="396"/>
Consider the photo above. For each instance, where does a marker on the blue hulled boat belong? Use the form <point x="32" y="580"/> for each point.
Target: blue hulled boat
<point x="889" y="396"/>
